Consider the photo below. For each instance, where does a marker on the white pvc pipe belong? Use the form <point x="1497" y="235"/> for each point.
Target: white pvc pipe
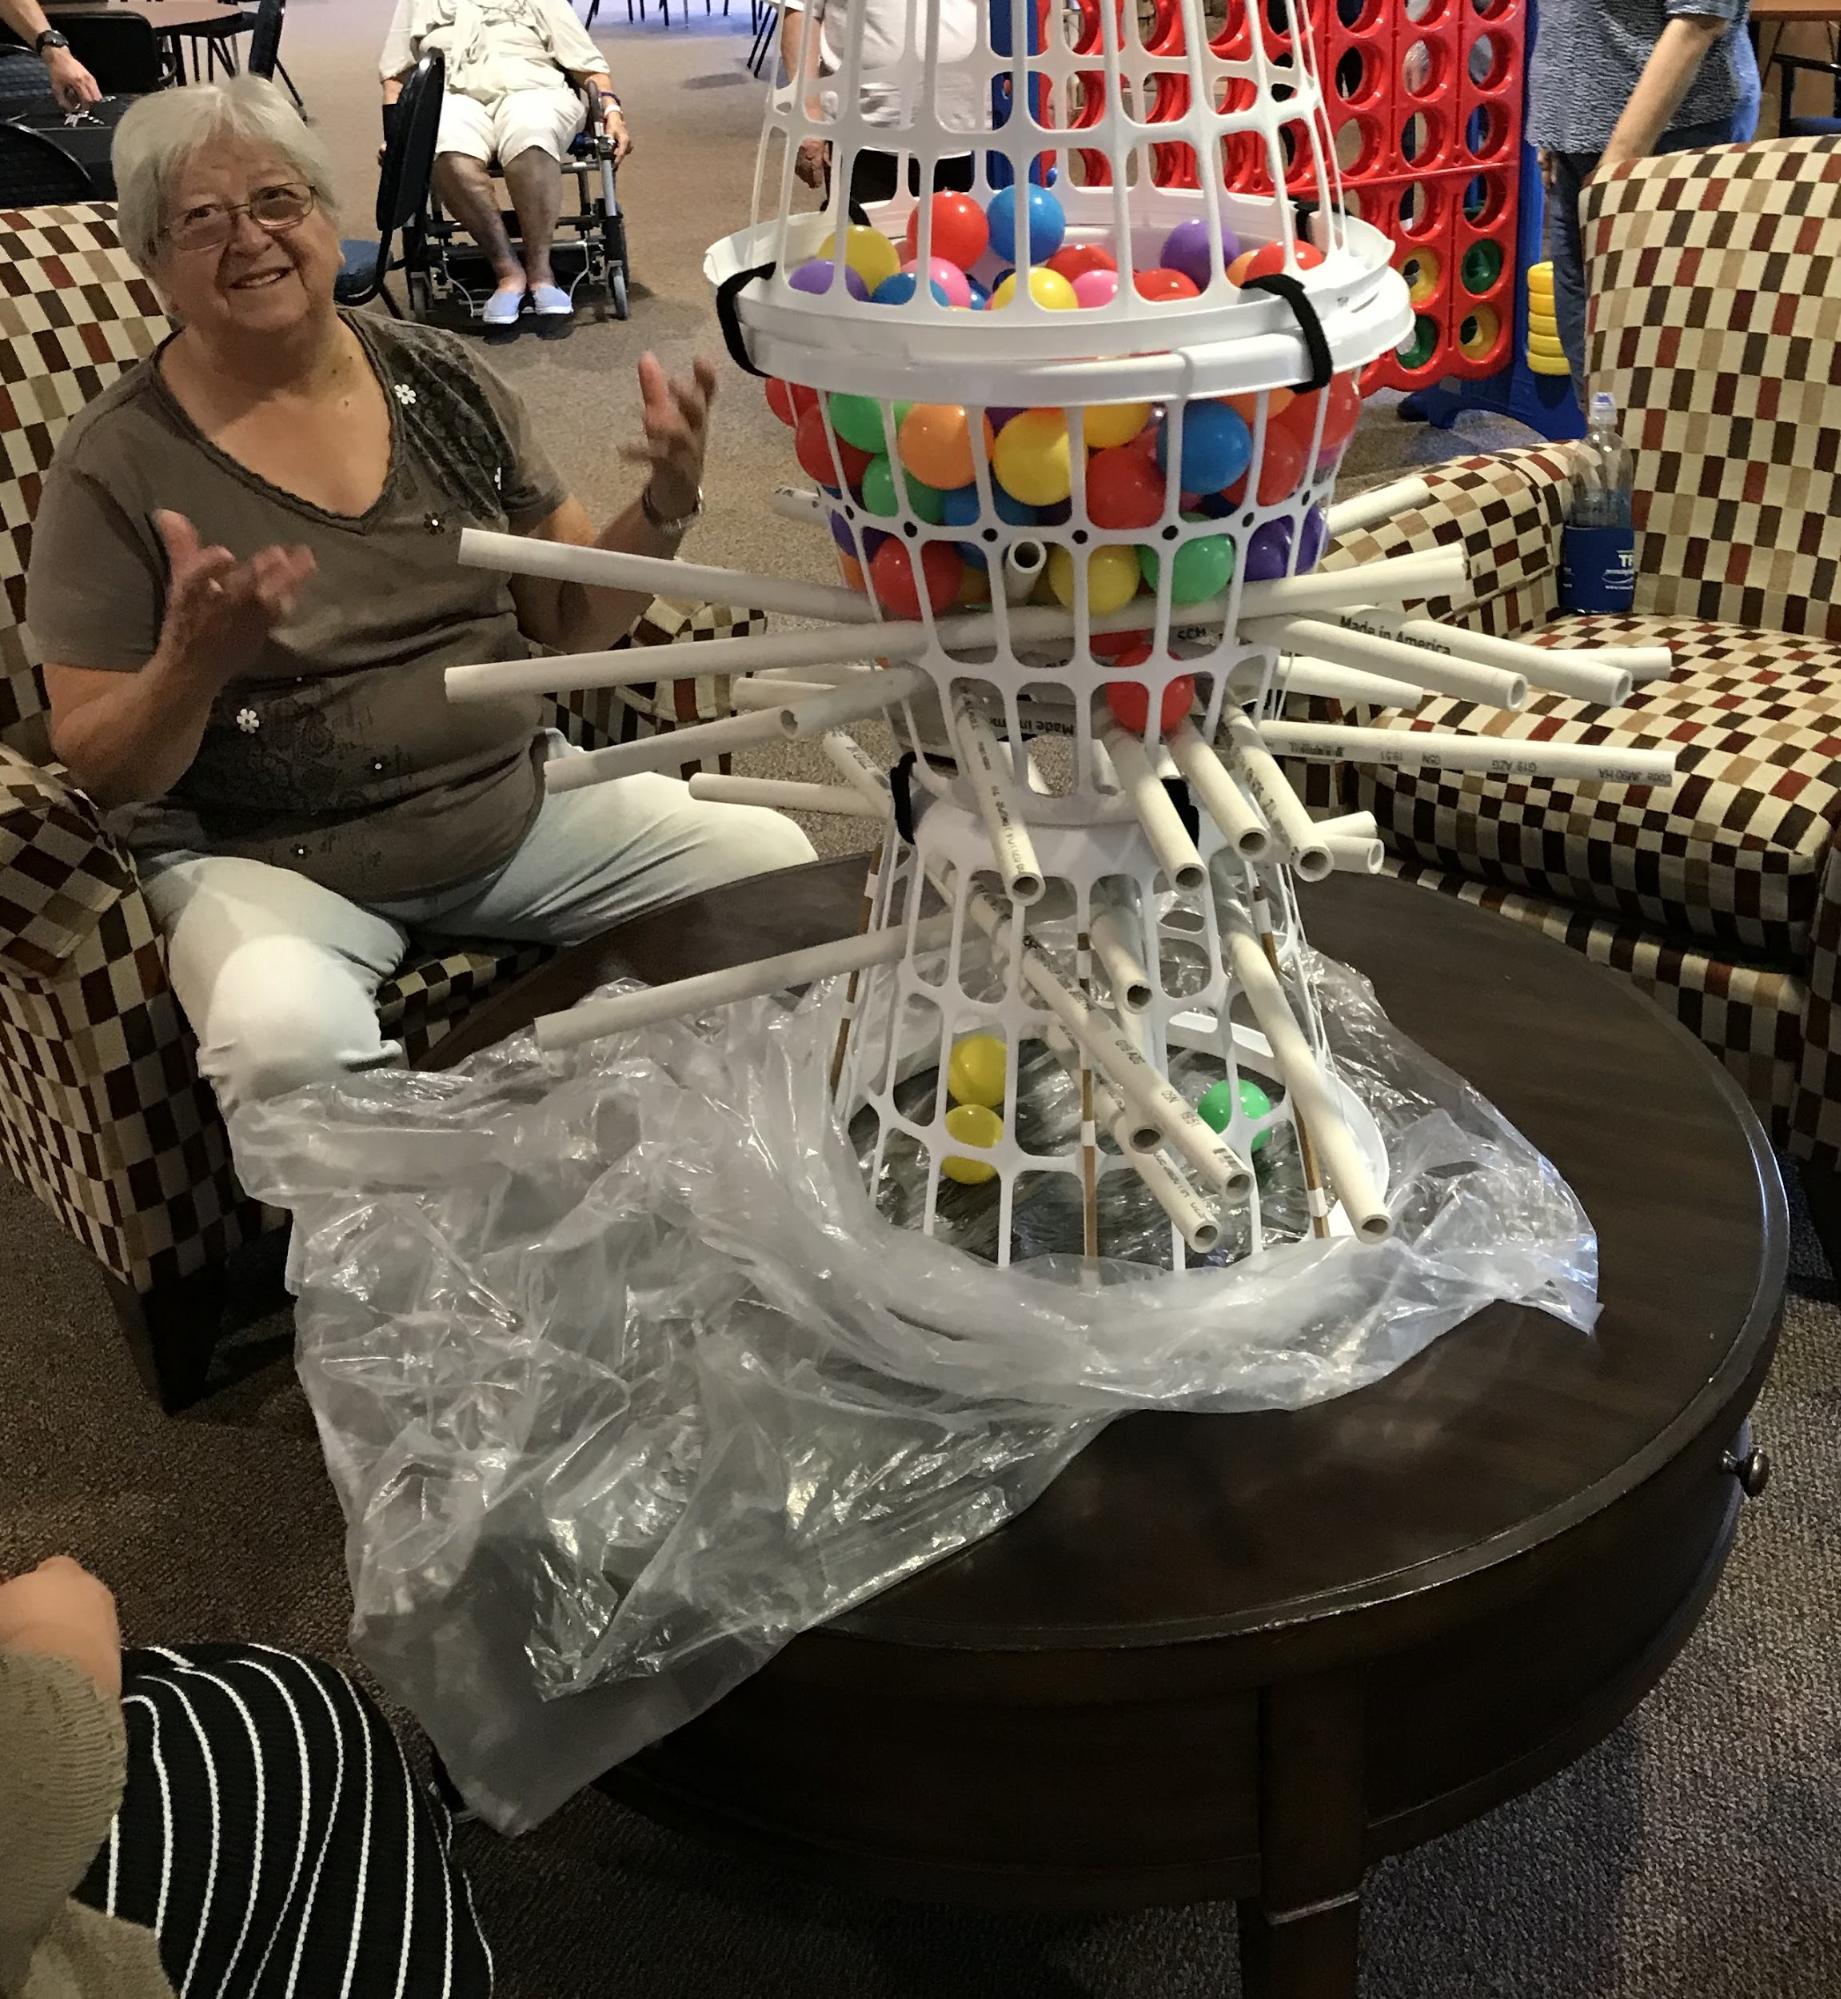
<point x="1249" y="757"/>
<point x="986" y="770"/>
<point x="1375" y="652"/>
<point x="756" y="692"/>
<point x="784" y="793"/>
<point x="805" y="504"/>
<point x="1585" y="676"/>
<point x="1642" y="663"/>
<point x="1370" y="509"/>
<point x="1218" y="795"/>
<point x="498" y="679"/>
<point x="1350" y="826"/>
<point x="1169" y="839"/>
<point x="854" y="764"/>
<point x="1162" y="1112"/>
<point x="853" y="702"/>
<point x="1351" y="855"/>
<point x="1312" y="1101"/>
<point x="1116" y="945"/>
<point x="1345" y="683"/>
<point x="594" y="1018"/>
<point x="667" y="750"/>
<point x="666" y="576"/>
<point x="1024" y="562"/>
<point x="1499" y="756"/>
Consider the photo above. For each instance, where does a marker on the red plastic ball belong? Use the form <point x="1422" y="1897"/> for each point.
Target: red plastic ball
<point x="960" y="232"/>
<point x="1160" y="285"/>
<point x="891" y="570"/>
<point x="1344" y="408"/>
<point x="1270" y="257"/>
<point x="1122" y="648"/>
<point x="1281" y="466"/>
<point x="1080" y="258"/>
<point x="813" y="450"/>
<point x="1124" y="488"/>
<point x="789" y="401"/>
<point x="1130" y="701"/>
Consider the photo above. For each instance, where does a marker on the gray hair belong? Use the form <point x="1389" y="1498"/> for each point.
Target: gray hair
<point x="163" y="131"/>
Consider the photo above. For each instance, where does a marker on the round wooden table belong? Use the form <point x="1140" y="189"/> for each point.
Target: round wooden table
<point x="1248" y="1655"/>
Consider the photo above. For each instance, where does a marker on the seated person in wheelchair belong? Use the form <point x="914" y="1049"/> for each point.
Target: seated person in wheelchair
<point x="244" y="581"/>
<point x="510" y="67"/>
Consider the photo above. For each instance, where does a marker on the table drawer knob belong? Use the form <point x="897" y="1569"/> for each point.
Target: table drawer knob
<point x="1753" y="1470"/>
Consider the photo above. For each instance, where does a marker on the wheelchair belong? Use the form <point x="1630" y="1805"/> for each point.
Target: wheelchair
<point x="444" y="270"/>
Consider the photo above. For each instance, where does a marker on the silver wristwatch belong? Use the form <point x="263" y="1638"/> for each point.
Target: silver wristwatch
<point x="668" y="523"/>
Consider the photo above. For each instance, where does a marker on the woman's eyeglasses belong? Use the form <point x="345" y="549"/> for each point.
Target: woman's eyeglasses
<point x="211" y="224"/>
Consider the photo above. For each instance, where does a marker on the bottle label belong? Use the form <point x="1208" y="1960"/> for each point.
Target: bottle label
<point x="1598" y="569"/>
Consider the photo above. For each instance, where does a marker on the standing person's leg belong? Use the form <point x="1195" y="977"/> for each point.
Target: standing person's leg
<point x="463" y="150"/>
<point x="273" y="1839"/>
<point x="1570" y="173"/>
<point x="609" y="851"/>
<point x="277" y="975"/>
<point x="533" y="129"/>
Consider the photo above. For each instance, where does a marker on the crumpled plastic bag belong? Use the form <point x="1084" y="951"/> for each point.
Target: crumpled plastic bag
<point x="624" y="1381"/>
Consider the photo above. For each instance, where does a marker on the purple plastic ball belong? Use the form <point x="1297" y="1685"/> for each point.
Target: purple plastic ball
<point x="846" y="538"/>
<point x="1185" y="249"/>
<point x="1268" y="552"/>
<point x="1000" y="417"/>
<point x="815" y="276"/>
<point x="1311" y="541"/>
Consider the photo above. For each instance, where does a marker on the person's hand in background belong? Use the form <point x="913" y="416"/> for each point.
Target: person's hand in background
<point x="613" y="122"/>
<point x="813" y="162"/>
<point x="60" y="1611"/>
<point x="71" y="84"/>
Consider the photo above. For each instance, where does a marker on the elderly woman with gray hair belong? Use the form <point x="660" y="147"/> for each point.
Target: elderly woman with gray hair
<point x="243" y="578"/>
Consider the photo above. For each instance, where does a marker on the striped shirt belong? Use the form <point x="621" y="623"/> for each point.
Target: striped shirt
<point x="1588" y="55"/>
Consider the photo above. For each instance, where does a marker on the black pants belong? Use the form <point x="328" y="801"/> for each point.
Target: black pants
<point x="273" y="1839"/>
<point x="872" y="177"/>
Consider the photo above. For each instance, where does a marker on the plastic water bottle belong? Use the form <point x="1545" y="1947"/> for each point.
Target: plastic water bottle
<point x="1598" y="545"/>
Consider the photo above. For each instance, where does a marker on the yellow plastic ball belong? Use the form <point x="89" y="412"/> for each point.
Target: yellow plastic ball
<point x="870" y="254"/>
<point x="1049" y="289"/>
<point x="971" y="1124"/>
<point x="975" y="1072"/>
<point x="1030" y="458"/>
<point x="1112" y="577"/>
<point x="974" y="587"/>
<point x="1114" y="423"/>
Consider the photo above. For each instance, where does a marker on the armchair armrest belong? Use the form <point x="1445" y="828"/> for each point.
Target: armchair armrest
<point x="60" y="873"/>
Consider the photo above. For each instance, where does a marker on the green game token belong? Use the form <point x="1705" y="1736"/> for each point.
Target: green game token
<point x="1482" y="266"/>
<point x="1416" y="352"/>
<point x="878" y="489"/>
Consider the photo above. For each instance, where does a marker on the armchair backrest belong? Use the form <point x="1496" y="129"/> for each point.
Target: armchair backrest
<point x="1715" y="319"/>
<point x="74" y="314"/>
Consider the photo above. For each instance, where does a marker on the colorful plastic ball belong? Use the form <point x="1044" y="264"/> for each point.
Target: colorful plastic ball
<point x="1121" y="648"/>
<point x="1031" y="458"/>
<point x="1215" y="1107"/>
<point x="1130" y="702"/>
<point x="1047" y="224"/>
<point x="851" y="570"/>
<point x="789" y="401"/>
<point x="1341" y="404"/>
<point x="1185" y="249"/>
<point x="975" y="1070"/>
<point x="1216" y="447"/>
<point x="1313" y="538"/>
<point x="1112" y="576"/>
<point x="902" y="287"/>
<point x="1200" y="567"/>
<point x="960" y="233"/>
<point x="1270" y="257"/>
<point x="1077" y="259"/>
<point x="950" y="279"/>
<point x="1277" y="402"/>
<point x="812" y="447"/>
<point x="1107" y="424"/>
<point x="974" y="587"/>
<point x="1268" y="552"/>
<point x="935" y="444"/>
<point x="1093" y="288"/>
<point x="870" y="254"/>
<point x="815" y="275"/>
<point x="1124" y="489"/>
<point x="1049" y="289"/>
<point x="845" y="535"/>
<point x="1281" y="466"/>
<point x="960" y="508"/>
<point x="891" y="569"/>
<point x="971" y="1124"/>
<point x="879" y="495"/>
<point x="1161" y="286"/>
<point x="858" y="420"/>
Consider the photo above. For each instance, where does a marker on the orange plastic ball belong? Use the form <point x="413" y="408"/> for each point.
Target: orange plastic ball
<point x="1342" y="409"/>
<point x="1267" y="259"/>
<point x="935" y="443"/>
<point x="1161" y="286"/>
<point x="851" y="570"/>
<point x="960" y="232"/>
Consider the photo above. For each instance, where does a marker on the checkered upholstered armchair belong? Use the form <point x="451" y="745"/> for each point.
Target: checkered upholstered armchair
<point x="1716" y="322"/>
<point x="102" y="1113"/>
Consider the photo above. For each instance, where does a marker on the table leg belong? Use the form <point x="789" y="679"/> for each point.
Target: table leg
<point x="1301" y="1938"/>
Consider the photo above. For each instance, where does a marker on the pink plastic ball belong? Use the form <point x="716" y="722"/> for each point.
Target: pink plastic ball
<point x="950" y="279"/>
<point x="1096" y="288"/>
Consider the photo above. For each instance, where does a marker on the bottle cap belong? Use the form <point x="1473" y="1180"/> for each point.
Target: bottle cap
<point x="1604" y="407"/>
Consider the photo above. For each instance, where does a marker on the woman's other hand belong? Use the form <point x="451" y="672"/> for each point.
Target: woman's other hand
<point x="675" y="413"/>
<point x="219" y="611"/>
<point x="60" y="1611"/>
<point x="71" y="84"/>
<point x="613" y="123"/>
<point x="812" y="163"/>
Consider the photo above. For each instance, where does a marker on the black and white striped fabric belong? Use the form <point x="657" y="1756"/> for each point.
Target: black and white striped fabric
<point x="274" y="1839"/>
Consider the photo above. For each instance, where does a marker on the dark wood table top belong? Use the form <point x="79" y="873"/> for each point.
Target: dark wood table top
<point x="1505" y="1433"/>
<point x="170" y="17"/>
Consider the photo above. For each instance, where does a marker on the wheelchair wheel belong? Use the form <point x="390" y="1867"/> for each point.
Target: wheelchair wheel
<point x="616" y="292"/>
<point x="416" y="282"/>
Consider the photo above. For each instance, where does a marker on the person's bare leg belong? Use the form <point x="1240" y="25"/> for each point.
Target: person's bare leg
<point x="466" y="187"/>
<point x="536" y="184"/>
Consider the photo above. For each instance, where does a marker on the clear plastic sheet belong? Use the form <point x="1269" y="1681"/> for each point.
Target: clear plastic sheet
<point x="624" y="1380"/>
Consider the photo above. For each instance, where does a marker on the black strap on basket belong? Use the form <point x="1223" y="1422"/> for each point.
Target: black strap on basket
<point x="1177" y="791"/>
<point x="901" y="780"/>
<point x="1281" y="284"/>
<point x="729" y="319"/>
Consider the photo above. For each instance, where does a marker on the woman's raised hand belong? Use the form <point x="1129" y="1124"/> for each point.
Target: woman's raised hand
<point x="676" y="418"/>
<point x="219" y="611"/>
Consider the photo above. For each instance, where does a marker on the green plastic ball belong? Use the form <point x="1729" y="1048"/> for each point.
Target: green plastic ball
<point x="878" y="490"/>
<point x="1200" y="568"/>
<point x="858" y="420"/>
<point x="1216" y="1106"/>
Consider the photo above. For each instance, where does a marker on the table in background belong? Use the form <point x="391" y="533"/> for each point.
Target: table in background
<point x="197" y="24"/>
<point x="1247" y="1656"/>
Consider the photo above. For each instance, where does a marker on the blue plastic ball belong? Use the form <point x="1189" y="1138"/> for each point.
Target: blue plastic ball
<point x="980" y="297"/>
<point x="959" y="509"/>
<point x="1217" y="447"/>
<point x="897" y="290"/>
<point x="1047" y="223"/>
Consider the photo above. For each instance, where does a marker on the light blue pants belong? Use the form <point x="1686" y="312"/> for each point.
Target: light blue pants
<point x="278" y="976"/>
